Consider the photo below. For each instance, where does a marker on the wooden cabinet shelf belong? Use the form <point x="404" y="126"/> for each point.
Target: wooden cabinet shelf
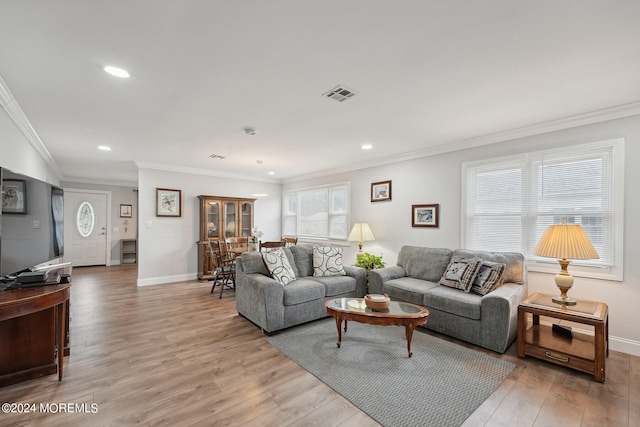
<point x="221" y="218"/>
<point x="582" y="352"/>
<point x="128" y="251"/>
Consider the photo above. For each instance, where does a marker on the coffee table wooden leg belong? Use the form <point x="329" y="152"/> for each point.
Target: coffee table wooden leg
<point x="408" y="329"/>
<point x="339" y="327"/>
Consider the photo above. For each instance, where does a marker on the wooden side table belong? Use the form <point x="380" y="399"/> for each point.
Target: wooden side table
<point x="582" y="352"/>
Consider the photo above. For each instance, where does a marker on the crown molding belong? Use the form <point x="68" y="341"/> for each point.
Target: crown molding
<point x="111" y="182"/>
<point x="206" y="172"/>
<point x="604" y="115"/>
<point x="15" y="113"/>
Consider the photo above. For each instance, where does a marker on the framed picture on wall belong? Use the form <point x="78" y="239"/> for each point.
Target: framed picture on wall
<point x="168" y="202"/>
<point x="425" y="215"/>
<point x="126" y="211"/>
<point x="380" y="191"/>
<point x="14" y="196"/>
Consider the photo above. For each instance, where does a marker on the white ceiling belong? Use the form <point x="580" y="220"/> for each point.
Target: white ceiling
<point x="430" y="75"/>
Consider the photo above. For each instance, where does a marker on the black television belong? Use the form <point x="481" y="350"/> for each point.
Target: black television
<point x="31" y="223"/>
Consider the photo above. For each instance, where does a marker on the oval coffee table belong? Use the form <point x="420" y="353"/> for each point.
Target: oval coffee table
<point x="399" y="313"/>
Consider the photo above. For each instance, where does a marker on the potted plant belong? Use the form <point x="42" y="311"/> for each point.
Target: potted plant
<point x="369" y="262"/>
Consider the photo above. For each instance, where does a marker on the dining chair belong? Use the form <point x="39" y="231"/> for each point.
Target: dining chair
<point x="237" y="245"/>
<point x="290" y="241"/>
<point x="270" y="245"/>
<point x="223" y="268"/>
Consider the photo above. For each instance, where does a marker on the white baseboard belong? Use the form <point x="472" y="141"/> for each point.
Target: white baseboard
<point x="167" y="279"/>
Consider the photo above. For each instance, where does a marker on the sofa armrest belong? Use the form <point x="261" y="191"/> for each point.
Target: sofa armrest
<point x="260" y="299"/>
<point x="360" y="274"/>
<point x="378" y="276"/>
<point x="499" y="314"/>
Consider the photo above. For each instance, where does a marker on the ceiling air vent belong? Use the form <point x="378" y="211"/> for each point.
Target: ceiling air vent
<point x="217" y="156"/>
<point x="340" y="93"/>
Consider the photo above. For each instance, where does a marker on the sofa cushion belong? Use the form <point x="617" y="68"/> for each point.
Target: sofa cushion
<point x="278" y="265"/>
<point x="303" y="259"/>
<point x="337" y="285"/>
<point x="407" y="289"/>
<point x="327" y="261"/>
<point x="303" y="290"/>
<point x="460" y="273"/>
<point x="514" y="271"/>
<point x="488" y="278"/>
<point x="424" y="263"/>
<point x="454" y="301"/>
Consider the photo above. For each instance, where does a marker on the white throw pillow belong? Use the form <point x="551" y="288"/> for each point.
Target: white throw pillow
<point x="327" y="261"/>
<point x="279" y="266"/>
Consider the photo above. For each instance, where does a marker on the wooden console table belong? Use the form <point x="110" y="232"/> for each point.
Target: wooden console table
<point x="582" y="352"/>
<point x="33" y="332"/>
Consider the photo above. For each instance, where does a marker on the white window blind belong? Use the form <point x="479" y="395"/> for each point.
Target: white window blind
<point x="508" y="203"/>
<point x="317" y="213"/>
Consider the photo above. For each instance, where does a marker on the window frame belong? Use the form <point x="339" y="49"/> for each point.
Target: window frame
<point x="326" y="238"/>
<point x="579" y="268"/>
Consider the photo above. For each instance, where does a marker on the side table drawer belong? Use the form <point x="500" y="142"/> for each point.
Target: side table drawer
<point x="561" y="358"/>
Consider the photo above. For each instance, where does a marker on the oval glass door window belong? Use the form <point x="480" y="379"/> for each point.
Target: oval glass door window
<point x="86" y="219"/>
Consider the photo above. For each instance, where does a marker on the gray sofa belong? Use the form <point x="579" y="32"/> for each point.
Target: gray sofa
<point x="273" y="306"/>
<point x="488" y="321"/>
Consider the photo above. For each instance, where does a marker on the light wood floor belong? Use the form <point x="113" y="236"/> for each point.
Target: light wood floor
<point x="176" y="355"/>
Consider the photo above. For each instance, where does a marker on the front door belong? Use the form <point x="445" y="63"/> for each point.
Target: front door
<point x="85" y="227"/>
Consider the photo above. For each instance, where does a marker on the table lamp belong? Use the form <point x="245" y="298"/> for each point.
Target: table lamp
<point x="360" y="233"/>
<point x="564" y="242"/>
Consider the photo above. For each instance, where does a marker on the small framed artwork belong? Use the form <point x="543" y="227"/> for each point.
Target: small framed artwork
<point x="126" y="211"/>
<point x="424" y="215"/>
<point x="380" y="191"/>
<point x="168" y="202"/>
<point x="14" y="196"/>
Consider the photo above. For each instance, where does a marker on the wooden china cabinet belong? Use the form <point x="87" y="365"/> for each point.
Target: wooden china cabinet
<point x="221" y="218"/>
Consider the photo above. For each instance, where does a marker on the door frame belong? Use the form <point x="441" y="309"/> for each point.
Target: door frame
<point x="108" y="218"/>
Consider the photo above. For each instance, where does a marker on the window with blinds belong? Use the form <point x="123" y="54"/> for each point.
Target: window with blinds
<point x="317" y="213"/>
<point x="508" y="203"/>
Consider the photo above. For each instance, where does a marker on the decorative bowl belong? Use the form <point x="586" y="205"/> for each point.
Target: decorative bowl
<point x="377" y="301"/>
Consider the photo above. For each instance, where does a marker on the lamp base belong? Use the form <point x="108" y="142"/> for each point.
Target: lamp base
<point x="564" y="282"/>
<point x="564" y="300"/>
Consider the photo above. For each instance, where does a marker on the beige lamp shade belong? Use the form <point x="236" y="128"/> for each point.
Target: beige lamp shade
<point x="565" y="242"/>
<point x="361" y="232"/>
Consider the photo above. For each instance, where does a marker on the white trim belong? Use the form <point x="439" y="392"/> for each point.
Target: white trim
<point x="166" y="279"/>
<point x="15" y="113"/>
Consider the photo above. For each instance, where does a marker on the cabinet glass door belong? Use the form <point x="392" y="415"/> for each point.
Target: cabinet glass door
<point x="229" y="219"/>
<point x="245" y="218"/>
<point x="213" y="220"/>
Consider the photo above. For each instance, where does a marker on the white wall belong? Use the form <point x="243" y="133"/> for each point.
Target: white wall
<point x="167" y="245"/>
<point x="437" y="179"/>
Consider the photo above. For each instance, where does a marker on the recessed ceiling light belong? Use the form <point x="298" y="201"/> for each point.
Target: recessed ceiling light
<point x="115" y="71"/>
<point x="366" y="146"/>
<point x="271" y="173"/>
<point x="104" y="148"/>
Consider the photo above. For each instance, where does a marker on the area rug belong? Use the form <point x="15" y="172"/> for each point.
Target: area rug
<point x="440" y="385"/>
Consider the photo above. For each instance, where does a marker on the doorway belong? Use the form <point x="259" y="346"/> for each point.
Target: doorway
<point x="86" y="227"/>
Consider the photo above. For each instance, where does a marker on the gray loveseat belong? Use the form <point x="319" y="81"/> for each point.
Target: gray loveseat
<point x="488" y="321"/>
<point x="273" y="306"/>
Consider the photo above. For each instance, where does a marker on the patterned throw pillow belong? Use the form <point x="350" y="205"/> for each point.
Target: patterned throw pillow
<point x="490" y="276"/>
<point x="327" y="261"/>
<point x="460" y="273"/>
<point x="278" y="265"/>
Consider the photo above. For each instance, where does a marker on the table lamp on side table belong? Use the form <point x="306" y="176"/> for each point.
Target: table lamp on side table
<point x="360" y="233"/>
<point x="564" y="242"/>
